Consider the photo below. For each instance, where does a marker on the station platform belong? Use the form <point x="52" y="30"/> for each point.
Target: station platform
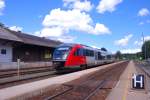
<point x="124" y="91"/>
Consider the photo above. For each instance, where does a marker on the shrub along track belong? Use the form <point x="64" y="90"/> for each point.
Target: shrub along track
<point x="94" y="86"/>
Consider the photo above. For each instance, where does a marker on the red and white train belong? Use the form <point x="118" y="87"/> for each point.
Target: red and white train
<point x="74" y="56"/>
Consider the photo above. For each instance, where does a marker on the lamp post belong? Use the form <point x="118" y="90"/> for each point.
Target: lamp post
<point x="144" y="46"/>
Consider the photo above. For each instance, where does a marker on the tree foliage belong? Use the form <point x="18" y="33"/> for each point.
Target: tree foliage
<point x="146" y="49"/>
<point x="118" y="55"/>
<point x="139" y="55"/>
<point x="1" y="24"/>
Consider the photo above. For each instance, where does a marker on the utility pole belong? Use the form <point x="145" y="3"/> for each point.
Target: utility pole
<point x="144" y="46"/>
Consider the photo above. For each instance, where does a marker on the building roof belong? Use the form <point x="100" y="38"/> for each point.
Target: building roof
<point x="5" y="34"/>
<point x="8" y="34"/>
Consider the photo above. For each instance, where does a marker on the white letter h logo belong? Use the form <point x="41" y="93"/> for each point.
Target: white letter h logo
<point x="138" y="81"/>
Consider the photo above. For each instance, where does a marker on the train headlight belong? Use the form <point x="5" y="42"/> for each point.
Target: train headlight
<point x="65" y="56"/>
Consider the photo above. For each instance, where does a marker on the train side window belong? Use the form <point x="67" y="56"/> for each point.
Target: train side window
<point x="100" y="57"/>
<point x="96" y="55"/>
<point x="108" y="56"/>
<point x="84" y="52"/>
<point x="78" y="52"/>
<point x="92" y="53"/>
<point x="103" y="57"/>
<point x="87" y="52"/>
<point x="81" y="52"/>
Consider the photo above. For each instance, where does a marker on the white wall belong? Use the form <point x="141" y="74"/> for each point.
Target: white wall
<point x="13" y="65"/>
<point x="8" y="57"/>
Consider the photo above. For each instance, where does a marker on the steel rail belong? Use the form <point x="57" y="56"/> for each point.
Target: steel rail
<point x="100" y="85"/>
<point x="56" y="95"/>
<point x="96" y="89"/>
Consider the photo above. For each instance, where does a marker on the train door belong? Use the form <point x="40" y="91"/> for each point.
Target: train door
<point x="90" y="58"/>
<point x="96" y="58"/>
<point x="79" y="57"/>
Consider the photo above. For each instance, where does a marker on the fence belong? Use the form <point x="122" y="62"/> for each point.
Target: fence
<point x="14" y="65"/>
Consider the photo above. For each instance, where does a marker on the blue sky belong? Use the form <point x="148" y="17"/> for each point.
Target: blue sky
<point x="113" y="24"/>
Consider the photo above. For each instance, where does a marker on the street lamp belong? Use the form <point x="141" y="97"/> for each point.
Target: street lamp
<point x="144" y="46"/>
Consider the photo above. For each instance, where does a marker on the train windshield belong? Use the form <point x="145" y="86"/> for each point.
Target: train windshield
<point x="61" y="53"/>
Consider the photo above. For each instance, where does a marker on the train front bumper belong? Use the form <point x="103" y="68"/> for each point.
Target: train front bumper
<point x="58" y="65"/>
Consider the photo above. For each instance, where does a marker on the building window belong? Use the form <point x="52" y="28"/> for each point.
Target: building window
<point x="47" y="54"/>
<point x="3" y="51"/>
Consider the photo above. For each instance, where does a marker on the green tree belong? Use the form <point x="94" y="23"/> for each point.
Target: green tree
<point x="146" y="49"/>
<point x="1" y="24"/>
<point x="118" y="55"/>
<point x="139" y="55"/>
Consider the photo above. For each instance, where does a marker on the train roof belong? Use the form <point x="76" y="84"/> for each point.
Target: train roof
<point x="86" y="47"/>
<point x="74" y="44"/>
<point x="67" y="44"/>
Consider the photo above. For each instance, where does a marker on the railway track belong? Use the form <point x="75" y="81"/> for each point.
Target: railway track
<point x="95" y="86"/>
<point x="23" y="71"/>
<point x="10" y="77"/>
<point x="144" y="67"/>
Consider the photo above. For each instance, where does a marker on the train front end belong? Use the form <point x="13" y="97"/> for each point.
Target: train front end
<point x="60" y="56"/>
<point x="68" y="57"/>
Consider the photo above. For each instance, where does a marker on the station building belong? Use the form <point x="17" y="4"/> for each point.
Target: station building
<point x="32" y="51"/>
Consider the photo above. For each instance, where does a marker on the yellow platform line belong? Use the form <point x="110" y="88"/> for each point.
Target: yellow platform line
<point x="126" y="86"/>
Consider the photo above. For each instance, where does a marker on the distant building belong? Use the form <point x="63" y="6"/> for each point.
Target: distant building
<point x="28" y="48"/>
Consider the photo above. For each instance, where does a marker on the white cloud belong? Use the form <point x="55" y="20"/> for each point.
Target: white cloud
<point x="124" y="41"/>
<point x="82" y="6"/>
<point x="148" y="21"/>
<point x="146" y="38"/>
<point x="144" y="22"/>
<point x="37" y="33"/>
<point x="40" y="16"/>
<point x="54" y="34"/>
<point x="52" y="31"/>
<point x="67" y="19"/>
<point x="15" y="28"/>
<point x="66" y="39"/>
<point x="140" y="42"/>
<point x="130" y="50"/>
<point x="101" y="29"/>
<point x="93" y="46"/>
<point x="69" y="1"/>
<point x="2" y="5"/>
<point x="141" y="23"/>
<point x="143" y="12"/>
<point x="60" y="21"/>
<point x="108" y="5"/>
<point x="78" y="4"/>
